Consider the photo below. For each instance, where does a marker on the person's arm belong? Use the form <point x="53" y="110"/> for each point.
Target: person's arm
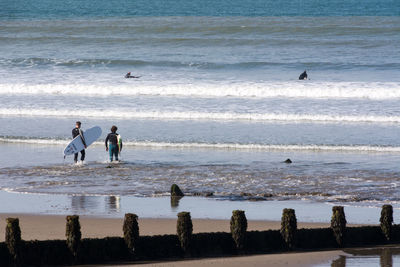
<point x="83" y="138"/>
<point x="108" y="136"/>
<point x="73" y="135"/>
<point x="120" y="147"/>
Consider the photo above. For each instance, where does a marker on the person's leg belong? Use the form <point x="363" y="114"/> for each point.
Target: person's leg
<point x="76" y="157"/>
<point x="110" y="151"/>
<point x="116" y="153"/>
<point x="83" y="153"/>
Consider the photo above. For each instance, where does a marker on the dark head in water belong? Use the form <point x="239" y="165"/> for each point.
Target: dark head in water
<point x="303" y="76"/>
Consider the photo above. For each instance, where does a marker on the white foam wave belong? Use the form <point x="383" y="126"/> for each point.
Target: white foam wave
<point x="227" y="146"/>
<point x="34" y="141"/>
<point x="299" y="89"/>
<point x="192" y="115"/>
<point x="266" y="147"/>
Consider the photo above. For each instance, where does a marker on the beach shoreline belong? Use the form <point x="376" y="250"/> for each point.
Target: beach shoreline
<point x="199" y="207"/>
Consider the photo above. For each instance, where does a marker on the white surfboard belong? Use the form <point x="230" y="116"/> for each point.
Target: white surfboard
<point x="76" y="145"/>
<point x="119" y="142"/>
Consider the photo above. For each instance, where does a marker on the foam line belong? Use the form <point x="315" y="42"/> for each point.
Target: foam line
<point x="295" y="89"/>
<point x="232" y="146"/>
<point x="190" y="115"/>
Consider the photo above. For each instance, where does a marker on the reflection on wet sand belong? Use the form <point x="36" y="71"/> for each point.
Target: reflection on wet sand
<point x="341" y="262"/>
<point x="387" y="256"/>
<point x="83" y="204"/>
<point x="386" y="259"/>
<point x="175" y="202"/>
<point x="113" y="203"/>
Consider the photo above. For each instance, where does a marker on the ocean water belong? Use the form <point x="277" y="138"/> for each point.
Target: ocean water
<point x="218" y="106"/>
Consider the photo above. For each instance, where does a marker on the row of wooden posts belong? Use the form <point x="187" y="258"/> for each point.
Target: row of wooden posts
<point x="238" y="227"/>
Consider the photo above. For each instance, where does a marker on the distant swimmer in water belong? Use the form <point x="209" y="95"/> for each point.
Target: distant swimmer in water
<point x="303" y="76"/>
<point x="128" y="75"/>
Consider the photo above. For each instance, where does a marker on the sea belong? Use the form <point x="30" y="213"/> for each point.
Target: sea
<point x="218" y="106"/>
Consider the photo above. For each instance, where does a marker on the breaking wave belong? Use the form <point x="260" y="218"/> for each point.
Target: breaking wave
<point x="295" y="89"/>
<point x="222" y="146"/>
<point x="192" y="115"/>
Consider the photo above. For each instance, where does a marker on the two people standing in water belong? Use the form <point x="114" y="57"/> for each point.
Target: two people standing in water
<point x="113" y="142"/>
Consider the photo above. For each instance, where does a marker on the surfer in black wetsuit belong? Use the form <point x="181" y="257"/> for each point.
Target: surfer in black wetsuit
<point x="112" y="143"/>
<point x="303" y="76"/>
<point x="75" y="132"/>
<point x="128" y="75"/>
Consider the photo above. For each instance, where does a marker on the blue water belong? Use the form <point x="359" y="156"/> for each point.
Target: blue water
<point x="19" y="9"/>
<point x="218" y="106"/>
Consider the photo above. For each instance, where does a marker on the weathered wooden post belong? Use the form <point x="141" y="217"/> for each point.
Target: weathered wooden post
<point x="239" y="228"/>
<point x="13" y="239"/>
<point x="386" y="221"/>
<point x="289" y="227"/>
<point x="338" y="224"/>
<point x="131" y="231"/>
<point x="184" y="229"/>
<point x="73" y="235"/>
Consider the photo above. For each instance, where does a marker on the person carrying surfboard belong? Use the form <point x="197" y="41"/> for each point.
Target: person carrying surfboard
<point x="113" y="143"/>
<point x="75" y="132"/>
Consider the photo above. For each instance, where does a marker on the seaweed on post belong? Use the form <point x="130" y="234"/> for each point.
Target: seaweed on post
<point x="386" y="221"/>
<point x="289" y="227"/>
<point x="239" y="228"/>
<point x="184" y="230"/>
<point x="13" y="238"/>
<point x="338" y="224"/>
<point x="73" y="235"/>
<point x="131" y="231"/>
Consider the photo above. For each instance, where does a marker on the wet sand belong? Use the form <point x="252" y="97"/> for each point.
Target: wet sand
<point x="276" y="260"/>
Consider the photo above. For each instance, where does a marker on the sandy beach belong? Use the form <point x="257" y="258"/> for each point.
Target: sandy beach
<point x="42" y="227"/>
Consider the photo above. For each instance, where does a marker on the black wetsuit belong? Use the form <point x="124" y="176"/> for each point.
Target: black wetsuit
<point x="75" y="133"/>
<point x="303" y="76"/>
<point x="112" y="138"/>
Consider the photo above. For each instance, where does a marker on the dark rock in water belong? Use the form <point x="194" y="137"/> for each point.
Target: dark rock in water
<point x="267" y="195"/>
<point x="288" y="161"/>
<point x="176" y="191"/>
<point x="109" y="167"/>
<point x="209" y="194"/>
<point x="244" y="194"/>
